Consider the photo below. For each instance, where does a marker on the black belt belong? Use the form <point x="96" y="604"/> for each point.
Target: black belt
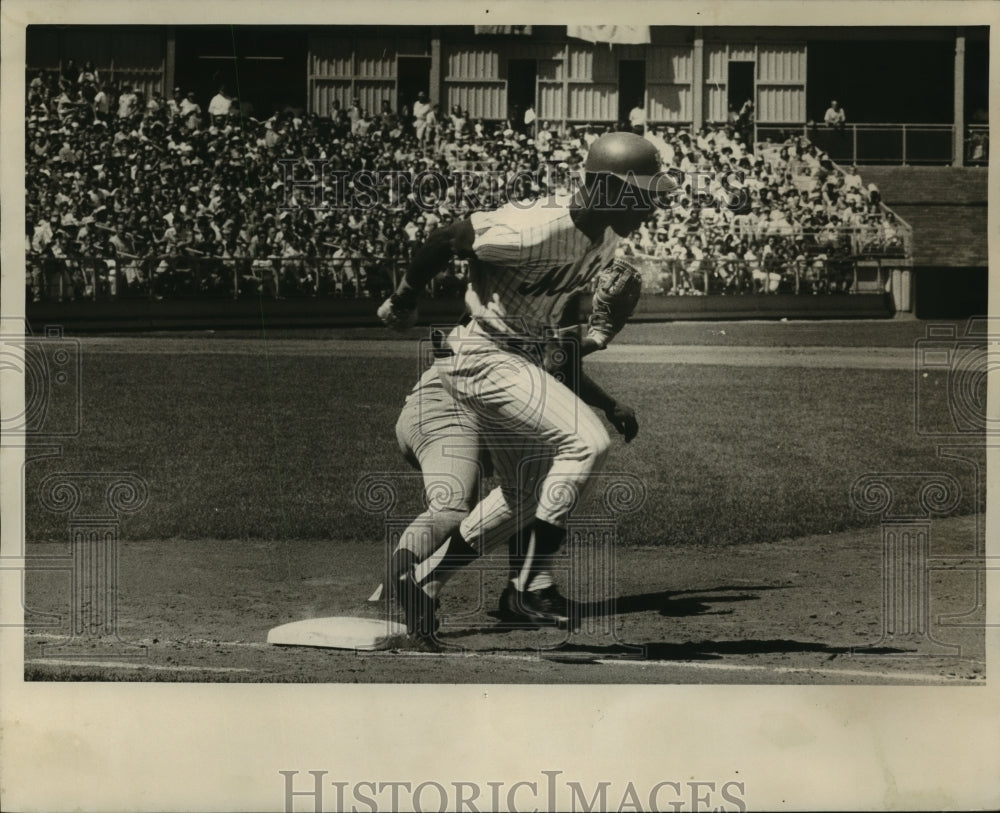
<point x="439" y="339"/>
<point x="529" y="348"/>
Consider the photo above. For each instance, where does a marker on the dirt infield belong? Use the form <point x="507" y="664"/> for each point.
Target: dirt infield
<point x="806" y="611"/>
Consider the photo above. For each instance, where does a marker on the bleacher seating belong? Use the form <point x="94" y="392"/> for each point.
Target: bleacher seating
<point x="148" y="199"/>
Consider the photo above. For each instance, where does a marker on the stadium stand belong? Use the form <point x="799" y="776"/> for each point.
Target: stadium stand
<point x="134" y="197"/>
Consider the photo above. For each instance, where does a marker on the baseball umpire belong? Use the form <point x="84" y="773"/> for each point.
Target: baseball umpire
<point x="526" y="262"/>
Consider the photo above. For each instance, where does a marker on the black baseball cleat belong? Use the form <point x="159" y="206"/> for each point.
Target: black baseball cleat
<point x="419" y="609"/>
<point x="546" y="607"/>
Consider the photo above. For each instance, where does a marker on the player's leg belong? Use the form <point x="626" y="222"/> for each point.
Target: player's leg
<point x="513" y="398"/>
<point x="449" y="461"/>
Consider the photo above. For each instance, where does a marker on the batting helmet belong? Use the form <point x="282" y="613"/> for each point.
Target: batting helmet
<point x="631" y="158"/>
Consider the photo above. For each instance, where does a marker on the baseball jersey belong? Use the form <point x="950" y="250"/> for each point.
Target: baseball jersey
<point x="529" y="262"/>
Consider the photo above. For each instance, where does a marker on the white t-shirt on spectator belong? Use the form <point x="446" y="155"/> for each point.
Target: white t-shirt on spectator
<point x="187" y="107"/>
<point x="126" y="104"/>
<point x="833" y="117"/>
<point x="219" y="106"/>
<point x="420" y="110"/>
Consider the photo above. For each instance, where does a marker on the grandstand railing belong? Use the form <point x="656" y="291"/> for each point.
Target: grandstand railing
<point x="887" y="143"/>
<point x="177" y="277"/>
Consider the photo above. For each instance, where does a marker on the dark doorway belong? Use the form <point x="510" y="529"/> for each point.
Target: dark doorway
<point x="741" y="84"/>
<point x="264" y="66"/>
<point x="631" y="86"/>
<point x="522" y="77"/>
<point x="413" y="74"/>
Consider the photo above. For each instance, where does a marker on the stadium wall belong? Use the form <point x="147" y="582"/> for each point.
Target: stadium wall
<point x="193" y="314"/>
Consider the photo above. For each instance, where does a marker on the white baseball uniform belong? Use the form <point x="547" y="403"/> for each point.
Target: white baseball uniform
<point x="544" y="441"/>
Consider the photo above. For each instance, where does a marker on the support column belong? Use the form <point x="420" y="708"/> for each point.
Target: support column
<point x="958" y="140"/>
<point x="435" y="91"/>
<point x="698" y="80"/>
<point x="170" y="64"/>
<point x="565" y="84"/>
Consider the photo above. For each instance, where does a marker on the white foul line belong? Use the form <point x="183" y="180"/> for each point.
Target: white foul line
<point x="796" y="670"/>
<point x="98" y="662"/>
<point x="541" y="655"/>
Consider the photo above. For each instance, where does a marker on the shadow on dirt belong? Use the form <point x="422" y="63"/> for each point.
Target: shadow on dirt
<point x="668" y="603"/>
<point x="673" y="604"/>
<point x="700" y="650"/>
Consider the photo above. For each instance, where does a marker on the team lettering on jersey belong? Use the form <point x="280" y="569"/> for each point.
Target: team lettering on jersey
<point x="559" y="280"/>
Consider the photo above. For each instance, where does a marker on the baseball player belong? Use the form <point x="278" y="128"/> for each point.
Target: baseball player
<point x="525" y="264"/>
<point x="436" y="439"/>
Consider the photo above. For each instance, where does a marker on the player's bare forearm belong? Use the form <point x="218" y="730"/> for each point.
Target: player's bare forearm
<point x="621" y="416"/>
<point x="433" y="257"/>
<point x="594" y="394"/>
<point x="399" y="311"/>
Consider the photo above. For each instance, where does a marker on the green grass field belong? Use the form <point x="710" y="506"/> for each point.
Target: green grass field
<point x="245" y="447"/>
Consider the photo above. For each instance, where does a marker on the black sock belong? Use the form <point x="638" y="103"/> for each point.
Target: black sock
<point x="458" y="555"/>
<point x="402" y="562"/>
<point x="543" y="545"/>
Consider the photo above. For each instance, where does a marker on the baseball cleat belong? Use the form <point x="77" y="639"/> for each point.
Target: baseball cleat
<point x="540" y="607"/>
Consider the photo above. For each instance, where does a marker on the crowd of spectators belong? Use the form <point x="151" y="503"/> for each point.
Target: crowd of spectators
<point x="135" y="195"/>
<point x="783" y="220"/>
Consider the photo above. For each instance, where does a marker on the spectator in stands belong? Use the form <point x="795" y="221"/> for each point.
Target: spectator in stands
<point x="67" y="103"/>
<point x="174" y="104"/>
<point x="432" y="125"/>
<point x="458" y="119"/>
<point x="205" y="192"/>
<point x="70" y="73"/>
<point x="421" y="109"/>
<point x="88" y="74"/>
<point x="835" y="117"/>
<point x="155" y="103"/>
<point x="637" y="118"/>
<point x="37" y="88"/>
<point x="339" y="118"/>
<point x="190" y="111"/>
<point x="355" y="115"/>
<point x="387" y="119"/>
<point x="528" y="121"/>
<point x="219" y="105"/>
<point x="127" y="102"/>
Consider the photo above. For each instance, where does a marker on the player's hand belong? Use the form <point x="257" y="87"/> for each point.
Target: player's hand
<point x="623" y="419"/>
<point x="397" y="314"/>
